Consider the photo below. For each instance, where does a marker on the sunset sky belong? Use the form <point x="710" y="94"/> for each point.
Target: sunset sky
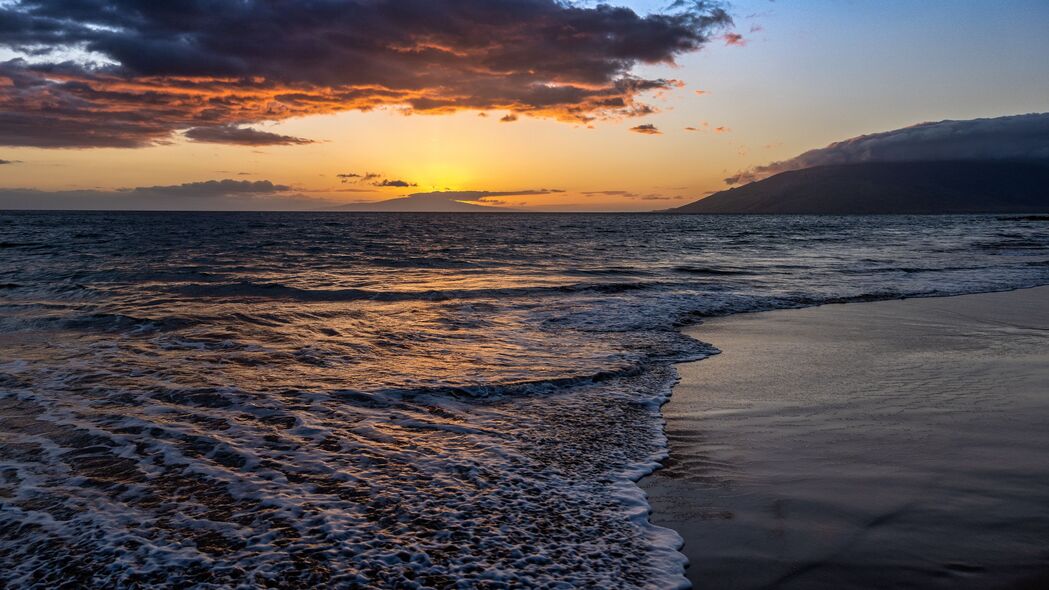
<point x="401" y="97"/>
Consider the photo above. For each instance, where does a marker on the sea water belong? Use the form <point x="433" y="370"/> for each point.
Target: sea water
<point x="392" y="400"/>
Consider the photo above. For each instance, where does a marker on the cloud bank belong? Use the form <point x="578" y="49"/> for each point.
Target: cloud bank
<point x="212" y="188"/>
<point x="147" y="69"/>
<point x="1019" y="137"/>
<point x="229" y="195"/>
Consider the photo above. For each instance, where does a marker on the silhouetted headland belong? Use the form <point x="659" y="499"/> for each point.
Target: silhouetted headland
<point x="954" y="187"/>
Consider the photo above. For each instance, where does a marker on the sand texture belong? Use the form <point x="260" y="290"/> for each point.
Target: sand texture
<point x="893" y="444"/>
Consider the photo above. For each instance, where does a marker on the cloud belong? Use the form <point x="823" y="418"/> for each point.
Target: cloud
<point x="233" y="195"/>
<point x="734" y="39"/>
<point x="373" y="179"/>
<point x="1014" y="137"/>
<point x="3" y="162"/>
<point x="235" y="135"/>
<point x="610" y="193"/>
<point x="520" y="193"/>
<point x="633" y="195"/>
<point x="646" y="129"/>
<point x="147" y="69"/>
<point x="706" y="127"/>
<point x="213" y="188"/>
<point x="510" y="118"/>
<point x="394" y="183"/>
<point x="658" y="198"/>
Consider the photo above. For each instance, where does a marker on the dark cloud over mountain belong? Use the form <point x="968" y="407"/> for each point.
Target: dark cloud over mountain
<point x="1019" y="137"/>
<point x="214" y="66"/>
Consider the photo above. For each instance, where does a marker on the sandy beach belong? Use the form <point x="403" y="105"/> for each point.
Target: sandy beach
<point x="869" y="445"/>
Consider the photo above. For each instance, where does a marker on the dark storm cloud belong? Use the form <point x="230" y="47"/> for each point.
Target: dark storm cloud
<point x="1016" y="137"/>
<point x="233" y="134"/>
<point x="168" y="66"/>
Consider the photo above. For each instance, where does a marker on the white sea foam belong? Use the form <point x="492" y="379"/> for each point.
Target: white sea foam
<point x="526" y="490"/>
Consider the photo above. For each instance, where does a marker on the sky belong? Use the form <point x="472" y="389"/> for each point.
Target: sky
<point x="264" y="104"/>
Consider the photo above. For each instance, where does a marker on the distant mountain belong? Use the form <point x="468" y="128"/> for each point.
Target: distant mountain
<point x="981" y="186"/>
<point x="437" y="202"/>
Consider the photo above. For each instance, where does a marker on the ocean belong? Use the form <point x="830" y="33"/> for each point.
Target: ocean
<point x="393" y="400"/>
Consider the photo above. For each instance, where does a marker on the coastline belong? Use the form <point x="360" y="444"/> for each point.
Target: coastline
<point x="851" y="445"/>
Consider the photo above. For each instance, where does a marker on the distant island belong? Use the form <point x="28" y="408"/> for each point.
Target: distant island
<point x="923" y="187"/>
<point x="435" y="202"/>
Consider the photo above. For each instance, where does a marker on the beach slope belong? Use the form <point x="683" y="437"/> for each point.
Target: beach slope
<point x="888" y="444"/>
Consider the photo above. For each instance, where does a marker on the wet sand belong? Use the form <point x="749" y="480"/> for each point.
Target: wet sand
<point x="899" y="444"/>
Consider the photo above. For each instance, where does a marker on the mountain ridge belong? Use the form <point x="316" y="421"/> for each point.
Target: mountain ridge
<point x="922" y="187"/>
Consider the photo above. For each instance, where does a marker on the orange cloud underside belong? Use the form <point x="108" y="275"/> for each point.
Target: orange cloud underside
<point x="146" y="110"/>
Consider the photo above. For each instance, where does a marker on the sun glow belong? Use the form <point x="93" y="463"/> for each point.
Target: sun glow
<point x="442" y="176"/>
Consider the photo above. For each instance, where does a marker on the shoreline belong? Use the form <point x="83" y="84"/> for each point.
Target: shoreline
<point x="728" y="463"/>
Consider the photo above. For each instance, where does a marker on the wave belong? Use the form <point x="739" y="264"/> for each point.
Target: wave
<point x="537" y="387"/>
<point x="26" y="245"/>
<point x="710" y="271"/>
<point x="280" y="291"/>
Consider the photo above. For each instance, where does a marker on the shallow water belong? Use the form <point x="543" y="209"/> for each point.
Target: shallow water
<point x="338" y="399"/>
